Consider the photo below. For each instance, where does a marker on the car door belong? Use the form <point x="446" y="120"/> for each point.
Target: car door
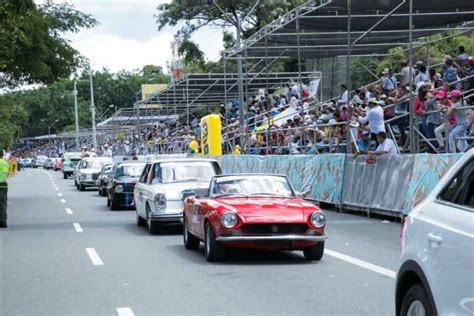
<point x="139" y="189"/>
<point x="449" y="254"/>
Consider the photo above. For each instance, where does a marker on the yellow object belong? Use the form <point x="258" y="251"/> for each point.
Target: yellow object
<point x="4" y="172"/>
<point x="194" y="146"/>
<point x="148" y="89"/>
<point x="236" y="151"/>
<point x="211" y="143"/>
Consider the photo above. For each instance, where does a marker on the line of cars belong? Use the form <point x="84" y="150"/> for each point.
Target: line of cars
<point x="263" y="211"/>
<point x="259" y="211"/>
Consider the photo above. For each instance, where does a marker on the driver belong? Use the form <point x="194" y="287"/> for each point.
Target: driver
<point x="227" y="188"/>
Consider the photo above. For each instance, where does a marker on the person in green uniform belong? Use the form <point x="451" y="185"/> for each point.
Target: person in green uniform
<point x="3" y="190"/>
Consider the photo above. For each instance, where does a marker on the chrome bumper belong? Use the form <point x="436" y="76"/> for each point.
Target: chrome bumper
<point x="271" y="238"/>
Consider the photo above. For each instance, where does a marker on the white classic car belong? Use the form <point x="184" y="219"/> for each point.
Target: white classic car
<point x="163" y="186"/>
<point x="88" y="171"/>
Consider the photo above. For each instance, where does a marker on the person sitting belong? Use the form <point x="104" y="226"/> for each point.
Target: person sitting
<point x="386" y="145"/>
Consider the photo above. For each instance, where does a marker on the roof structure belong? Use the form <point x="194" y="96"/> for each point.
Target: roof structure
<point x="196" y="90"/>
<point x="321" y="27"/>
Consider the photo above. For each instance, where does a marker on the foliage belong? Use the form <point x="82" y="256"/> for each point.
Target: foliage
<point x="30" y="112"/>
<point x="33" y="48"/>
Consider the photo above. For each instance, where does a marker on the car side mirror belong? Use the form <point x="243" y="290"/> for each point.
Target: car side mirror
<point x="299" y="195"/>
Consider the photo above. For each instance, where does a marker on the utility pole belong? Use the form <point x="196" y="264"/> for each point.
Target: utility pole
<point x="94" y="132"/>
<point x="76" y="113"/>
<point x="240" y="85"/>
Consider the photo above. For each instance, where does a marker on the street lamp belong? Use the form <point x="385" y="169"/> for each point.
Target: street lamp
<point x="237" y="22"/>
<point x="92" y="108"/>
<point x="49" y="127"/>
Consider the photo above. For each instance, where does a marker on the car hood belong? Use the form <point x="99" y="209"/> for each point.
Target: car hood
<point x="173" y="190"/>
<point x="267" y="210"/>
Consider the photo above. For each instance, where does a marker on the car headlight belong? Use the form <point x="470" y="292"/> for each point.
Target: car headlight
<point x="160" y="202"/>
<point x="229" y="220"/>
<point x="318" y="219"/>
<point x="118" y="188"/>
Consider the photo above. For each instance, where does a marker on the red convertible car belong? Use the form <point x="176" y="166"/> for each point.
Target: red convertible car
<point x="252" y="211"/>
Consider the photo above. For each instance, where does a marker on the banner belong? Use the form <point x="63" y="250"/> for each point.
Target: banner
<point x="211" y="142"/>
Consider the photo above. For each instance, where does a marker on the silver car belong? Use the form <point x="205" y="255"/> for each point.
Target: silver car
<point x="88" y="170"/>
<point x="165" y="183"/>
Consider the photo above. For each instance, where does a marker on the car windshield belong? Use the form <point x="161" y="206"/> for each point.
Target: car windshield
<point x="252" y="185"/>
<point x="93" y="164"/>
<point x="130" y="170"/>
<point x="172" y="172"/>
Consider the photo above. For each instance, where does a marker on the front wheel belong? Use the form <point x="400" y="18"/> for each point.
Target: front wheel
<point x="314" y="253"/>
<point x="140" y="220"/>
<point x="213" y="250"/>
<point x="190" y="241"/>
<point x="81" y="187"/>
<point x="64" y="176"/>
<point x="416" y="302"/>
<point x="152" y="226"/>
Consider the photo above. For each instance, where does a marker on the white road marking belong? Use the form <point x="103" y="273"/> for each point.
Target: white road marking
<point x="57" y="189"/>
<point x="361" y="263"/>
<point x="60" y="194"/>
<point x="77" y="227"/>
<point x="63" y="201"/>
<point x="94" y="257"/>
<point x="125" y="311"/>
<point x="69" y="211"/>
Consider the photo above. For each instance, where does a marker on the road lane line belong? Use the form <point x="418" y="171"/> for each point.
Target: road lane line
<point x="60" y="194"/>
<point x="94" y="257"/>
<point x="77" y="227"/>
<point x="57" y="189"/>
<point x="361" y="263"/>
<point x="63" y="201"/>
<point x="69" y="211"/>
<point x="125" y="311"/>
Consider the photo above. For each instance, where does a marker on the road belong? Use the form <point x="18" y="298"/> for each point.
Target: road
<point x="66" y="253"/>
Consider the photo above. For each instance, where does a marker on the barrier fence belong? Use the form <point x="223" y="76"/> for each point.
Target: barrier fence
<point x="392" y="185"/>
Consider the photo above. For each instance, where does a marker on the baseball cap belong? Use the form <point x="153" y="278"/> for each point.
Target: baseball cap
<point x="455" y="94"/>
<point x="441" y="95"/>
<point x="373" y="101"/>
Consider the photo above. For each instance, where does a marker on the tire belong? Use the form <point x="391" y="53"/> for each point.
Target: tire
<point x="64" y="176"/>
<point x="190" y="241"/>
<point x="152" y="226"/>
<point x="213" y="250"/>
<point x="108" y="201"/>
<point x="82" y="187"/>
<point x="140" y="220"/>
<point x="314" y="253"/>
<point x="415" y="299"/>
<point x="113" y="207"/>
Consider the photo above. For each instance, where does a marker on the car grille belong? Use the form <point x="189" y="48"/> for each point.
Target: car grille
<point x="128" y="187"/>
<point x="95" y="176"/>
<point x="274" y="228"/>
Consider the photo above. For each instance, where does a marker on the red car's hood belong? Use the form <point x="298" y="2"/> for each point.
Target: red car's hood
<point x="266" y="210"/>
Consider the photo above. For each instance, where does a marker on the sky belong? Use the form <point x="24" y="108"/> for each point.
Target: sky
<point x="128" y="37"/>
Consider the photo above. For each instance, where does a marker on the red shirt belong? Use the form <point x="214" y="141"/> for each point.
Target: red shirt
<point x="419" y="106"/>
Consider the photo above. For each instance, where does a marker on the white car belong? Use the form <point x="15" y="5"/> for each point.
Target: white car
<point x="164" y="184"/>
<point x="436" y="276"/>
<point x="88" y="170"/>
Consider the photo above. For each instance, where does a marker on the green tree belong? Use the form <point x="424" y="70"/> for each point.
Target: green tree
<point x="33" y="48"/>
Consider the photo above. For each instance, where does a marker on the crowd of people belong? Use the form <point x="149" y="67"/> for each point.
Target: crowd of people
<point x="373" y="119"/>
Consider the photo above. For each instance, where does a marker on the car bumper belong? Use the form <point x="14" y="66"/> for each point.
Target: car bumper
<point x="123" y="199"/>
<point x="272" y="242"/>
<point x="167" y="218"/>
<point x="88" y="183"/>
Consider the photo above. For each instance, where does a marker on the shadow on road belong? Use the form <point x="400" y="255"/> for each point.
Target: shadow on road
<point x="242" y="257"/>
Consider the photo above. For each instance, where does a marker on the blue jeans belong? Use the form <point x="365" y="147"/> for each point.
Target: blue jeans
<point x="458" y="130"/>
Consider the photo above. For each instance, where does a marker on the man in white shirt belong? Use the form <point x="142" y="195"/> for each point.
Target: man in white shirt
<point x="389" y="83"/>
<point x="344" y="98"/>
<point x="386" y="145"/>
<point x="405" y="73"/>
<point x="375" y="119"/>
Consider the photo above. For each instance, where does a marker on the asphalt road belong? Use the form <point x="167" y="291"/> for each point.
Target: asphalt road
<point x="66" y="253"/>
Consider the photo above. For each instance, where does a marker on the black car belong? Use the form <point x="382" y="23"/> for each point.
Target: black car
<point x="122" y="182"/>
<point x="103" y="179"/>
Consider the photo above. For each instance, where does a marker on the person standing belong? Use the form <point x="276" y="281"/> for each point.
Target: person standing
<point x="375" y="119"/>
<point x="461" y="122"/>
<point x="3" y="190"/>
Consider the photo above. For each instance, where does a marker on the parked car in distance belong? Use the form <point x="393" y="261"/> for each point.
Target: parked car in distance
<point x="48" y="164"/>
<point x="436" y="274"/>
<point x="70" y="161"/>
<point x="122" y="182"/>
<point x="162" y="186"/>
<point x="88" y="170"/>
<point x="260" y="211"/>
<point x="40" y="160"/>
<point x="103" y="179"/>
<point x="57" y="164"/>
